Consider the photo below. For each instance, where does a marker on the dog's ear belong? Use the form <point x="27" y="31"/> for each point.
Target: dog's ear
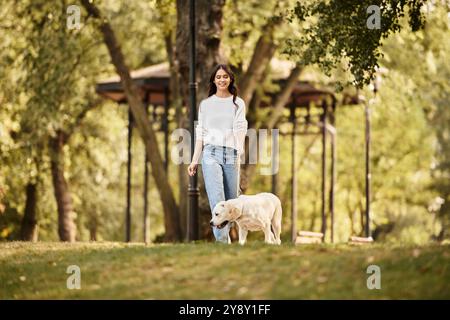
<point x="236" y="210"/>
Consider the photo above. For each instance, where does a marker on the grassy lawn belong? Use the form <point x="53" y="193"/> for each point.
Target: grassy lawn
<point x="215" y="271"/>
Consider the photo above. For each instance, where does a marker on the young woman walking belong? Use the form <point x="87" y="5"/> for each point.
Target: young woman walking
<point x="220" y="135"/>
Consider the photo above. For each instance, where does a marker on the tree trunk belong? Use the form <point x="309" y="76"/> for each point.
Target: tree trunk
<point x="66" y="225"/>
<point x="28" y="229"/>
<point x="170" y="207"/>
<point x="283" y="97"/>
<point x="209" y="32"/>
<point x="208" y="35"/>
<point x="208" y="24"/>
<point x="93" y="232"/>
<point x="262" y="54"/>
<point x="181" y="121"/>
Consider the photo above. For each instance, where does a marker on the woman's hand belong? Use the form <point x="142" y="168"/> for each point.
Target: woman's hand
<point x="192" y="169"/>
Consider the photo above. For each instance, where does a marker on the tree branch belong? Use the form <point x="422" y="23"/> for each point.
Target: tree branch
<point x="283" y="96"/>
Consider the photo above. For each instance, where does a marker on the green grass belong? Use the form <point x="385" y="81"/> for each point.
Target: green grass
<point x="216" y="271"/>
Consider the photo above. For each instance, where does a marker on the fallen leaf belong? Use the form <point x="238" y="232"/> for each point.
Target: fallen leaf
<point x="242" y="290"/>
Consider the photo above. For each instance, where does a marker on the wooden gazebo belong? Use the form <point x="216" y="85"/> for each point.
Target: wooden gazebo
<point x="319" y="118"/>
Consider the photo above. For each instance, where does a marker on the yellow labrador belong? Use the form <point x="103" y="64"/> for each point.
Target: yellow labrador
<point x="251" y="213"/>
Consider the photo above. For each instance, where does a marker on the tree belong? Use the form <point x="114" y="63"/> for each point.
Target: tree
<point x="344" y="30"/>
<point x="171" y="210"/>
<point x="267" y="22"/>
<point x="54" y="76"/>
<point x="425" y="62"/>
<point x="54" y="64"/>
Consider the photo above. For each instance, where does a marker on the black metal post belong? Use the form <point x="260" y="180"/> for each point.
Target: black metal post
<point x="294" y="176"/>
<point x="275" y="163"/>
<point x="324" y="166"/>
<point x="128" y="210"/>
<point x="166" y="130"/>
<point x="193" y="190"/>
<point x="274" y="187"/>
<point x="368" y="174"/>
<point x="333" y="167"/>
<point x="146" y="217"/>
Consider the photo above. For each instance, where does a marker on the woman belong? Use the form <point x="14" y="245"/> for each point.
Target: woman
<point x="220" y="134"/>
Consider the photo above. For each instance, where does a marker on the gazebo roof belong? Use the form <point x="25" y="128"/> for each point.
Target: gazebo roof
<point x="305" y="93"/>
<point x="160" y="70"/>
<point x="153" y="82"/>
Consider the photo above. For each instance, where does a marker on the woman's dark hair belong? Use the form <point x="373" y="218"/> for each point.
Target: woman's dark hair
<point x="231" y="87"/>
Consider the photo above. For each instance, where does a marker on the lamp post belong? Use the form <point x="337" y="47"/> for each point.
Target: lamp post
<point x="375" y="87"/>
<point x="193" y="191"/>
<point x="368" y="174"/>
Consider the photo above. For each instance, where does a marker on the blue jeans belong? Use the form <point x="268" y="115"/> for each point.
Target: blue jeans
<point x="221" y="174"/>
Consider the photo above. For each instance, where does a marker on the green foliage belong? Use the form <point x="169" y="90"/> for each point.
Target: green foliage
<point x="401" y="154"/>
<point x="242" y="24"/>
<point x="409" y="151"/>
<point x="400" y="157"/>
<point x="425" y="62"/>
<point x="336" y="29"/>
<point x="138" y="26"/>
<point x="48" y="77"/>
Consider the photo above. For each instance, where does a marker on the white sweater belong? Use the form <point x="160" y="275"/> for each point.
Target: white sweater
<point x="221" y="122"/>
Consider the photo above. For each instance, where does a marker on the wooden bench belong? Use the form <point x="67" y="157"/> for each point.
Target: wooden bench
<point x="308" y="237"/>
<point x="360" y="240"/>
